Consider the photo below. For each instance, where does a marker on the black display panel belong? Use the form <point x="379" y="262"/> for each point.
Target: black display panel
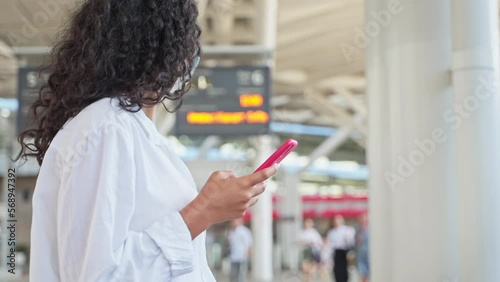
<point x="27" y="92"/>
<point x="226" y="101"/>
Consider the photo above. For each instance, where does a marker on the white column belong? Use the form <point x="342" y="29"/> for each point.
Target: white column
<point x="291" y="219"/>
<point x="223" y="23"/>
<point x="267" y="17"/>
<point x="262" y="221"/>
<point x="378" y="150"/>
<point x="262" y="267"/>
<point x="475" y="77"/>
<point x="414" y="54"/>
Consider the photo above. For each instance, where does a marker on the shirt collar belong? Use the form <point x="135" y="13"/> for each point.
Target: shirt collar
<point x="147" y="125"/>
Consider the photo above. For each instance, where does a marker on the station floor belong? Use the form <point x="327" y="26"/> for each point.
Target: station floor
<point x="292" y="277"/>
<point x="222" y="277"/>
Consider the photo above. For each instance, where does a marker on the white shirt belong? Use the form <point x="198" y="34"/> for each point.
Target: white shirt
<point x="341" y="238"/>
<point x="240" y="241"/>
<point x="311" y="237"/>
<point x="106" y="204"/>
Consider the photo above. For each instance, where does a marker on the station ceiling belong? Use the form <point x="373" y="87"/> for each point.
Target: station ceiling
<point x="315" y="83"/>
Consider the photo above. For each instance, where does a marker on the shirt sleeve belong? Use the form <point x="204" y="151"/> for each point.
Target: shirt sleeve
<point x="95" y="208"/>
<point x="318" y="241"/>
<point x="304" y="238"/>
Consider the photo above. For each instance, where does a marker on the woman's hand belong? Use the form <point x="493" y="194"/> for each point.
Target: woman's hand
<point x="224" y="197"/>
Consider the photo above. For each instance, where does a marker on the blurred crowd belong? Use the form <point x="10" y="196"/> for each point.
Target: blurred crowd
<point x="331" y="253"/>
<point x="325" y="256"/>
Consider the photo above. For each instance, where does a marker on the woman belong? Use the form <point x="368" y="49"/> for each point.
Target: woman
<point x="362" y="249"/>
<point x="312" y="243"/>
<point x="112" y="201"/>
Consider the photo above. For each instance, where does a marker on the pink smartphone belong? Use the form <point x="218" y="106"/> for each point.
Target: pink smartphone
<point x="279" y="155"/>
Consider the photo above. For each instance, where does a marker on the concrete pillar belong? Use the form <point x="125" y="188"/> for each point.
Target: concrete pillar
<point x="475" y="117"/>
<point x="267" y="22"/>
<point x="378" y="148"/>
<point x="291" y="219"/>
<point x="411" y="161"/>
<point x="262" y="212"/>
<point x="262" y="221"/>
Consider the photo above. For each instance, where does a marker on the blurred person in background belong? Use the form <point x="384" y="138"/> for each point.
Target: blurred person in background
<point x="240" y="243"/>
<point x="340" y="240"/>
<point x="362" y="255"/>
<point x="113" y="202"/>
<point x="311" y="243"/>
<point x="326" y="260"/>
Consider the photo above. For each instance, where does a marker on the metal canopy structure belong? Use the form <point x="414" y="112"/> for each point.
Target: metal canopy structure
<point x="314" y="83"/>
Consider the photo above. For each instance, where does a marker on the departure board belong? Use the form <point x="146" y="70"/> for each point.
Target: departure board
<point x="27" y="93"/>
<point x="226" y="101"/>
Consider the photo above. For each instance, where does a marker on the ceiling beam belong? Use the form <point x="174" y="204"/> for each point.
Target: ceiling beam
<point x="327" y="71"/>
<point x="298" y="11"/>
<point x="344" y="18"/>
<point x="329" y="145"/>
<point x="286" y="38"/>
<point x="355" y="103"/>
<point x="297" y="116"/>
<point x="355" y="82"/>
<point x="320" y="103"/>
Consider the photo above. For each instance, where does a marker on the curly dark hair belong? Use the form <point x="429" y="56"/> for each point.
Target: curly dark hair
<point x="114" y="48"/>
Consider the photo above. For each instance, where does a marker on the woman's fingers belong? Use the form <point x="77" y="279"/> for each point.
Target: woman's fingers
<point x="258" y="177"/>
<point x="227" y="195"/>
<point x="253" y="201"/>
<point x="222" y="174"/>
<point x="259" y="188"/>
<point x="231" y="174"/>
